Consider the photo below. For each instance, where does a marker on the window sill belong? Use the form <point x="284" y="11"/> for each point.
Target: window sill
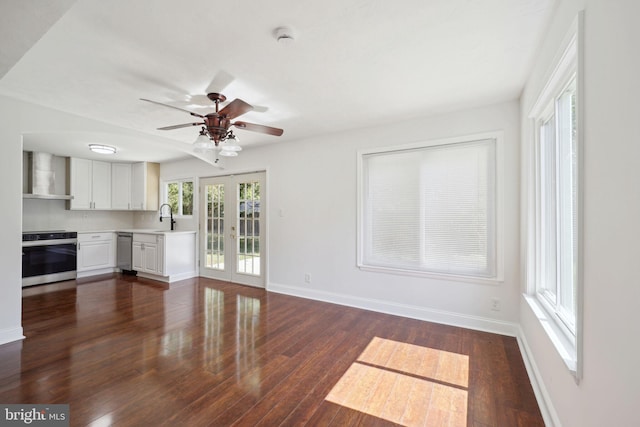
<point x="566" y="350"/>
<point x="450" y="277"/>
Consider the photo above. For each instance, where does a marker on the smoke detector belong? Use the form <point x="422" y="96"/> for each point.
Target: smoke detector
<point x="284" y="35"/>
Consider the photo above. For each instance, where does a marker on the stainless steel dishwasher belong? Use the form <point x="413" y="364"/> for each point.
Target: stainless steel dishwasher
<point x="123" y="254"/>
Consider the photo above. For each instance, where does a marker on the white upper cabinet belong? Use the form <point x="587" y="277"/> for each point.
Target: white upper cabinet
<point x="145" y="186"/>
<point x="114" y="186"/>
<point x="121" y="186"/>
<point x="101" y="181"/>
<point x="90" y="184"/>
<point x="81" y="183"/>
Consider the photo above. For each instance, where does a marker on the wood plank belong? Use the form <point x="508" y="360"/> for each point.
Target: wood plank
<point x="127" y="351"/>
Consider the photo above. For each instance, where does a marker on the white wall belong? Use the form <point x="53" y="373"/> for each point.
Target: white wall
<point x="609" y="392"/>
<point x="11" y="196"/>
<point x="313" y="183"/>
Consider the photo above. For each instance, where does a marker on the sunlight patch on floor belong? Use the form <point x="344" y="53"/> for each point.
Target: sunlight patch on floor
<point x="406" y="384"/>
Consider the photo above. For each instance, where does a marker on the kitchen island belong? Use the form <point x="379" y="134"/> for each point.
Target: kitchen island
<point x="166" y="256"/>
<point x="163" y="255"/>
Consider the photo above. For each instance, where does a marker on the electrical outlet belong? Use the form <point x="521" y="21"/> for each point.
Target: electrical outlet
<point x="307" y="278"/>
<point x="495" y="304"/>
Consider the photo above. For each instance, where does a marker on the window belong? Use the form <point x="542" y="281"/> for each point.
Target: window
<point x="179" y="194"/>
<point x="557" y="206"/>
<point x="553" y="214"/>
<point x="431" y="209"/>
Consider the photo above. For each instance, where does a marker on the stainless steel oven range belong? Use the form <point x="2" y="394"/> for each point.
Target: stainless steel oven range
<point x="48" y="256"/>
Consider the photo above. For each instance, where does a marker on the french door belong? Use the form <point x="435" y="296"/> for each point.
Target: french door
<point x="232" y="246"/>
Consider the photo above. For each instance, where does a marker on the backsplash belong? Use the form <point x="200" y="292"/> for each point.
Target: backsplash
<point x="40" y="215"/>
<point x="149" y="219"/>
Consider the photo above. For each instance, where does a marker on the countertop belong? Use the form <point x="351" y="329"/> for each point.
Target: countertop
<point x="140" y="231"/>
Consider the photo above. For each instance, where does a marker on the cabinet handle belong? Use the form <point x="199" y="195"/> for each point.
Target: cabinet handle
<point x="78" y="245"/>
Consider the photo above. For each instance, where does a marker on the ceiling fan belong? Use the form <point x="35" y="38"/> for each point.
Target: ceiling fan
<point x="215" y="126"/>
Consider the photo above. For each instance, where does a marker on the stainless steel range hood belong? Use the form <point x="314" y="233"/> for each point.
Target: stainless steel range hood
<point x="42" y="169"/>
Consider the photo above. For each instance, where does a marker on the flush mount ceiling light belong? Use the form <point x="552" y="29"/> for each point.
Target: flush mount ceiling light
<point x="102" y="149"/>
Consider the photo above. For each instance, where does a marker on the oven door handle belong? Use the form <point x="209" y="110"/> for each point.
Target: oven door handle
<point x="33" y="243"/>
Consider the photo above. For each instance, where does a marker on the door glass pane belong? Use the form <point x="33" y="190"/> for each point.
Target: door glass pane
<point x="248" y="244"/>
<point x="215" y="227"/>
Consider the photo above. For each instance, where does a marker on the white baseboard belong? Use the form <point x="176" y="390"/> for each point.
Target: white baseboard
<point x="182" y="276"/>
<point x="10" y="335"/>
<point x="89" y="273"/>
<point x="404" y="310"/>
<point x="549" y="413"/>
<point x="169" y="279"/>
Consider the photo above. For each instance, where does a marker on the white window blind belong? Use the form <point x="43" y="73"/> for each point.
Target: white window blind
<point x="431" y="209"/>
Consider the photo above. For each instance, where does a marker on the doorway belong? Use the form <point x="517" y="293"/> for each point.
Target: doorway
<point x="233" y="242"/>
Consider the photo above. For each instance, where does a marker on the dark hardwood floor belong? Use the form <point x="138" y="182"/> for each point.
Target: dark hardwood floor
<point x="132" y="352"/>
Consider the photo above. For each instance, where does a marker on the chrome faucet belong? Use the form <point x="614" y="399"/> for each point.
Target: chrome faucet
<point x="173" y="221"/>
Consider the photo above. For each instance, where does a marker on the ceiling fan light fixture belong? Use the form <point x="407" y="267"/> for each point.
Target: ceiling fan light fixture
<point x="228" y="153"/>
<point x="203" y="144"/>
<point x="231" y="143"/>
<point x="215" y="133"/>
<point x="102" y="149"/>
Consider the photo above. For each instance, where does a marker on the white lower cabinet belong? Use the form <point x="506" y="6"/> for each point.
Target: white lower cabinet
<point x="96" y="253"/>
<point x="147" y="250"/>
<point x="167" y="257"/>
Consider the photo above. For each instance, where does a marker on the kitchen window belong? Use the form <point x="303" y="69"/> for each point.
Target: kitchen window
<point x="432" y="209"/>
<point x="179" y="194"/>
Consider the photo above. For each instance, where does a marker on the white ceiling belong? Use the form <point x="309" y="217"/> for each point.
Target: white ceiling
<point x="354" y="63"/>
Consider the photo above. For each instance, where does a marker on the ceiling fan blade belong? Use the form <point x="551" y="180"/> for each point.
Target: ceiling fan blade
<point x="171" y="106"/>
<point x="235" y="108"/>
<point x="259" y="128"/>
<point x="181" y="126"/>
<point x="220" y="81"/>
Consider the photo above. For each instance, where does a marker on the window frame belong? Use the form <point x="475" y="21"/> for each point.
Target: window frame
<point x="180" y="181"/>
<point x="498" y="277"/>
<point x="565" y="332"/>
